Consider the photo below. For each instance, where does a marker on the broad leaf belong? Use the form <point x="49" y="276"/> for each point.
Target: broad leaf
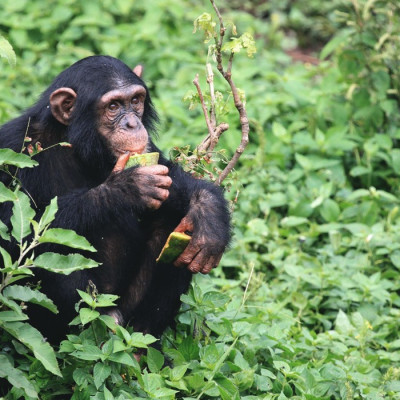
<point x="49" y="213"/>
<point x="11" y="304"/>
<point x="155" y="360"/>
<point x="8" y="316"/>
<point x="16" y="377"/>
<point x="89" y="353"/>
<point x="33" y="339"/>
<point x="8" y="156"/>
<point x="87" y="315"/>
<point x="7" y="262"/>
<point x="101" y="372"/>
<point x="4" y="231"/>
<point x="26" y="294"/>
<point x="66" y="237"/>
<point x="6" y="194"/>
<point x="22" y="216"/>
<point x="63" y="264"/>
<point x="125" y="359"/>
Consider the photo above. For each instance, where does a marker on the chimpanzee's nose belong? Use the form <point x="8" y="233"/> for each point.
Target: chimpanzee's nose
<point x="131" y="121"/>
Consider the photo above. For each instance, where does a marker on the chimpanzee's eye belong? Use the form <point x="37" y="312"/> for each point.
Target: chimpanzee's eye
<point x="135" y="100"/>
<point x="113" y="106"/>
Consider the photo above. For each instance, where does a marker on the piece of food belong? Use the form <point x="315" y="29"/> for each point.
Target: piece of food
<point x="175" y="245"/>
<point x="143" y="160"/>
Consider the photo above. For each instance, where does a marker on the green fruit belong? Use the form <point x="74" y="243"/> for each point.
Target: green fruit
<point x="143" y="160"/>
<point x="175" y="245"/>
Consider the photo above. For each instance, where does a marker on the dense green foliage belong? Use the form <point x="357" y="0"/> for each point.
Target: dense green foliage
<point x="306" y="303"/>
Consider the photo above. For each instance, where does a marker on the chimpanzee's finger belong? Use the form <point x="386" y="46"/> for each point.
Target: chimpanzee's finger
<point x="157" y="169"/>
<point x="154" y="204"/>
<point x="187" y="256"/>
<point x="162" y="181"/>
<point x="198" y="262"/>
<point x="186" y="225"/>
<point x="212" y="262"/>
<point x="161" y="194"/>
<point x="121" y="162"/>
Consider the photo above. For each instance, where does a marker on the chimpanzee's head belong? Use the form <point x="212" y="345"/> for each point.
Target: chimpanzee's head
<point x="105" y="108"/>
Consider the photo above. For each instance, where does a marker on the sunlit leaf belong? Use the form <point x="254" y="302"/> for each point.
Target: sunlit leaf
<point x="63" y="264"/>
<point x="33" y="339"/>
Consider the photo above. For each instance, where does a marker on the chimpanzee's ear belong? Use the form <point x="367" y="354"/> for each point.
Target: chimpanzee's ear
<point x="138" y="70"/>
<point x="62" y="103"/>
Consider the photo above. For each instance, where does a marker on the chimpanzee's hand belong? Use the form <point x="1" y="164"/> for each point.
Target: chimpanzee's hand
<point x="148" y="184"/>
<point x="204" y="250"/>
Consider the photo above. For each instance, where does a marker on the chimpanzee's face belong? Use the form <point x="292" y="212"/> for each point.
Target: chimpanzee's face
<point x="120" y="113"/>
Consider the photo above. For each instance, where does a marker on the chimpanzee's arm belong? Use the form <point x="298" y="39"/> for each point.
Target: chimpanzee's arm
<point x="206" y="215"/>
<point x="84" y="208"/>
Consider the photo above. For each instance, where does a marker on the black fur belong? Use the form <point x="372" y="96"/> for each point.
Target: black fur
<point x="107" y="209"/>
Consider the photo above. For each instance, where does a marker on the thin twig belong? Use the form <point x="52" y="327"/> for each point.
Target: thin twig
<point x="218" y="131"/>
<point x="244" y="121"/>
<point x="219" y="41"/>
<point x="210" y="81"/>
<point x="203" y="105"/>
<point x="214" y="131"/>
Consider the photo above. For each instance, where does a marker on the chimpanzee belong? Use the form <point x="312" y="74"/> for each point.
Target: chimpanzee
<point x="103" y="109"/>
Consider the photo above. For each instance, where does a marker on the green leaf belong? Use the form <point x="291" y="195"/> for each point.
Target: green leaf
<point x="343" y="324"/>
<point x="100" y="373"/>
<point x="330" y="210"/>
<point x="138" y="339"/>
<point x="125" y="359"/>
<point x="293" y="221"/>
<point x="11" y="304"/>
<point x="108" y="321"/>
<point x="205" y="22"/>
<point x="33" y="339"/>
<point x="4" y="231"/>
<point x="155" y="360"/>
<point x="16" y="377"/>
<point x="178" y="372"/>
<point x="81" y="376"/>
<point x="10" y="157"/>
<point x="9" y="316"/>
<point x="395" y="154"/>
<point x="66" y="237"/>
<point x="63" y="264"/>
<point x="89" y="353"/>
<point x="351" y="62"/>
<point x="360" y="170"/>
<point x="49" y="213"/>
<point x="332" y="372"/>
<point x="333" y="44"/>
<point x="6" y="194"/>
<point x="107" y="394"/>
<point x="227" y="389"/>
<point x="22" y="216"/>
<point x="106" y="300"/>
<point x="87" y="298"/>
<point x="7" y="262"/>
<point x="26" y="294"/>
<point x="87" y="315"/>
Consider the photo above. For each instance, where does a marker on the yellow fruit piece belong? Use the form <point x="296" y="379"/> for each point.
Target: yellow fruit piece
<point x="175" y="245"/>
<point x="143" y="160"/>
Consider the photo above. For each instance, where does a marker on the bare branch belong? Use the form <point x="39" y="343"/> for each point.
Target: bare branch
<point x="244" y="121"/>
<point x="214" y="131"/>
<point x="203" y="105"/>
<point x="210" y="81"/>
<point x="219" y="41"/>
<point x="219" y="130"/>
